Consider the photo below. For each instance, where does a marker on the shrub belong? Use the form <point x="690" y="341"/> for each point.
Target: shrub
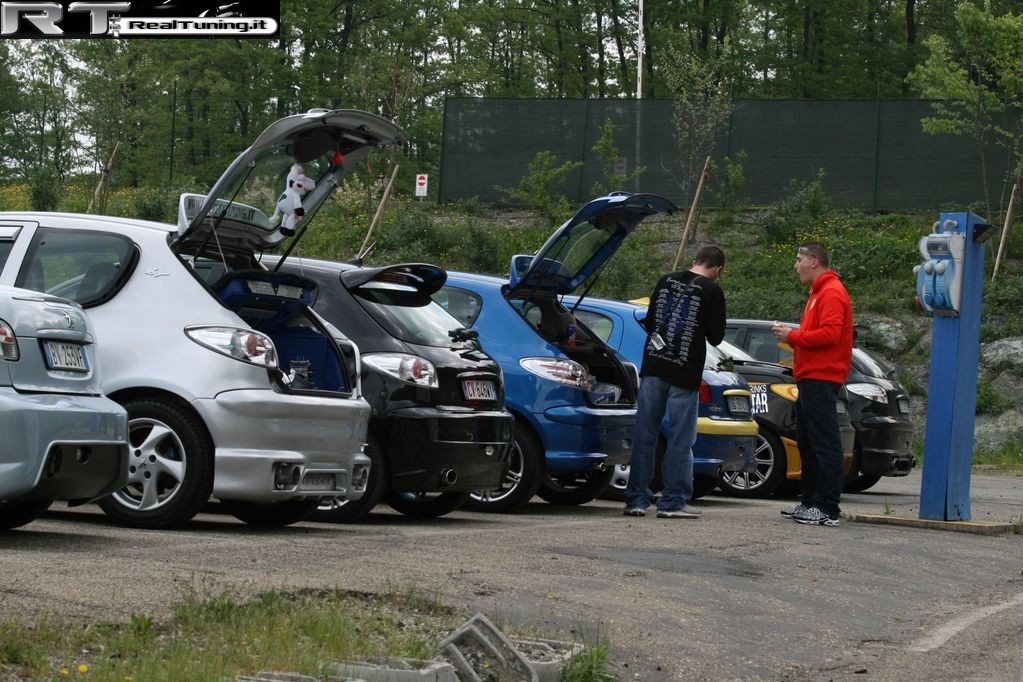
<point x="798" y="212"/>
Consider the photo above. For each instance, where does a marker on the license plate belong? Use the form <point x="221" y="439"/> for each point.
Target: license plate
<point x="475" y="389"/>
<point x="903" y="406"/>
<point x="318" y="482"/>
<point x="738" y="403"/>
<point x="68" y="356"/>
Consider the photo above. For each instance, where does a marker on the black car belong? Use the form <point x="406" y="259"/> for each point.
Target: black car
<point x="773" y="395"/>
<point x="438" y="427"/>
<point x="878" y="405"/>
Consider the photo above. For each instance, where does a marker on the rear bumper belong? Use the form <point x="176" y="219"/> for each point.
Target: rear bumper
<point x="273" y="446"/>
<point x="714" y="453"/>
<point x="577" y="438"/>
<point x="61" y="447"/>
<point x="885" y="446"/>
<point x="434" y="450"/>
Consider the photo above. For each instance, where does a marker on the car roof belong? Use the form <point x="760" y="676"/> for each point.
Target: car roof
<point x="303" y="262"/>
<point x="102" y="220"/>
<point x="610" y="304"/>
<point x="489" y="280"/>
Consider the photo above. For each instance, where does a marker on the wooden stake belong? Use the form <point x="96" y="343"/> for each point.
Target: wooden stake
<point x="692" y="213"/>
<point x="380" y="211"/>
<point x="1005" y="228"/>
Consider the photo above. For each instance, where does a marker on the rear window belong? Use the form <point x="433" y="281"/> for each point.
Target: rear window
<point x="871" y="365"/>
<point x="407" y="314"/>
<point x="86" y="266"/>
<point x="463" y="305"/>
<point x="5" y="251"/>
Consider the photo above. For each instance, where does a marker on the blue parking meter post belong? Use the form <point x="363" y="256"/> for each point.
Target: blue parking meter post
<point x="957" y="245"/>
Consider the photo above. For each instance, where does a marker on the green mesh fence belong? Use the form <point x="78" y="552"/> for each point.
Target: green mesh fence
<point x="874" y="154"/>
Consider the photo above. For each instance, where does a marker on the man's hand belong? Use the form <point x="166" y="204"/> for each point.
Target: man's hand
<point x="781" y="331"/>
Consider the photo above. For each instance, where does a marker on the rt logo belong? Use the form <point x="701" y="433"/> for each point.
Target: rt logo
<point x="45" y="16"/>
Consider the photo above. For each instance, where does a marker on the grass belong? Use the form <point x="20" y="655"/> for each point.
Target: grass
<point x="1008" y="458"/>
<point x="219" y="637"/>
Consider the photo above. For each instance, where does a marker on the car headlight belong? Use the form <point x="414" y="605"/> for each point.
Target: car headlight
<point x="405" y="367"/>
<point x="8" y="342"/>
<point x="787" y="391"/>
<point x="566" y="372"/>
<point x="246" y="345"/>
<point x="869" y="391"/>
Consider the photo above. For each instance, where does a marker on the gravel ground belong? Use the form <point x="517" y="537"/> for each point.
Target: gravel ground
<point x="740" y="594"/>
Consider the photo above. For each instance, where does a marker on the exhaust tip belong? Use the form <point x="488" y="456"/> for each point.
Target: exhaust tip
<point x="448" y="477"/>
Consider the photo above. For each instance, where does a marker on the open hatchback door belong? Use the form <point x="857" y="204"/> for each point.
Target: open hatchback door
<point x="247" y="206"/>
<point x="578" y="249"/>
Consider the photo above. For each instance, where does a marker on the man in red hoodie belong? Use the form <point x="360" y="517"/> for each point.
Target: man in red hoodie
<point x="822" y="353"/>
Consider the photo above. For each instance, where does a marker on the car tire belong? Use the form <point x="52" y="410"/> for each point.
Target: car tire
<point x="574" y="488"/>
<point x="521" y="481"/>
<point x="426" y="505"/>
<point x="769" y="475"/>
<point x="334" y="510"/>
<point x="857" y="482"/>
<point x="16" y="514"/>
<point x="272" y="514"/>
<point x="170" y="475"/>
<point x="703" y="485"/>
<point x="861" y="482"/>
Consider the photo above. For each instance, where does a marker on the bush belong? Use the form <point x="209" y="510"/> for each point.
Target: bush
<point x="44" y="192"/>
<point x="798" y="212"/>
<point x="541" y="187"/>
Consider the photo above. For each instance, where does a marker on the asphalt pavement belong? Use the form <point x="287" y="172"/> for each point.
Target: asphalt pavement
<point x="742" y="593"/>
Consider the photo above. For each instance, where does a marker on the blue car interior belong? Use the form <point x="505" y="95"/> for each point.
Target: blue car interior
<point x="272" y="302"/>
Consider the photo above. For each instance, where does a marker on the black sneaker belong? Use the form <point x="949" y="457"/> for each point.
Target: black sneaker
<point x="814" y="516"/>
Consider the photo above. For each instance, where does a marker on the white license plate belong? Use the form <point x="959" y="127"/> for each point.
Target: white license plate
<point x="738" y="403"/>
<point x="903" y="406"/>
<point x="69" y="356"/>
<point x="318" y="482"/>
<point x="475" y="389"/>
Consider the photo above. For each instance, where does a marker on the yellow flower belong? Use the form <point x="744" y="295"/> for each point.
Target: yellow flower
<point x="64" y="672"/>
<point x="82" y="668"/>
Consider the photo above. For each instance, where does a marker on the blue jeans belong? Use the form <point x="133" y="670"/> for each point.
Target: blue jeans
<point x="677" y="469"/>
<point x="820" y="445"/>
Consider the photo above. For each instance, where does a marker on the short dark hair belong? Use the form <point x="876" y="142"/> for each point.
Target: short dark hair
<point x="817" y="250"/>
<point x="710" y="256"/>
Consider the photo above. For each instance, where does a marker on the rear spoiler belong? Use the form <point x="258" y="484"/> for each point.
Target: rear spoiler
<point x="422" y="277"/>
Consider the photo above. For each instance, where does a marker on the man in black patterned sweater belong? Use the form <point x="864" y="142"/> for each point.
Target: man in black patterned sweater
<point x="687" y="309"/>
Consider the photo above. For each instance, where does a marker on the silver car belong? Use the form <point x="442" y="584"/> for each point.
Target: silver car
<point x="61" y="439"/>
<point x="234" y="388"/>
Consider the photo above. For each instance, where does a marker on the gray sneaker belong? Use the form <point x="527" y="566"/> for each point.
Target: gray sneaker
<point x="793" y="511"/>
<point x="814" y="516"/>
<point x="686" y="512"/>
<point x="634" y="511"/>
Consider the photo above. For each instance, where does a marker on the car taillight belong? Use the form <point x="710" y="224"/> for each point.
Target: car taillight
<point x="704" y="393"/>
<point x="246" y="345"/>
<point x="565" y="372"/>
<point x="869" y="391"/>
<point x="404" y="366"/>
<point x="8" y="342"/>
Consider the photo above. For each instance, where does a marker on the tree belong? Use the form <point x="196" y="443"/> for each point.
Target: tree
<point x="977" y="78"/>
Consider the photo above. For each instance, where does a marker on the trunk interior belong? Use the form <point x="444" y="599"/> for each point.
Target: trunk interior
<point x="613" y="384"/>
<point x="277" y="304"/>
